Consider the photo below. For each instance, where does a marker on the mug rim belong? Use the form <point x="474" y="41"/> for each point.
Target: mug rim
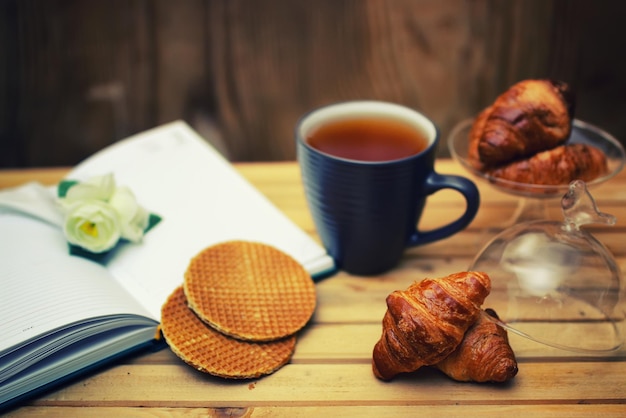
<point x="431" y="130"/>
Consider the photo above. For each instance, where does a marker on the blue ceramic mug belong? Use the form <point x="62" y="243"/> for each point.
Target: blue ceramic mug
<point x="367" y="169"/>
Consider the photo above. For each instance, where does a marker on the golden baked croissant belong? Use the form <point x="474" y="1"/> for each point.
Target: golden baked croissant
<point x="426" y="322"/>
<point x="559" y="165"/>
<point x="484" y="355"/>
<point x="530" y="117"/>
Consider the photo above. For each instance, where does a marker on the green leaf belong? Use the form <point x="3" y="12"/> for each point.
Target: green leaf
<point x="104" y="257"/>
<point x="152" y="221"/>
<point x="64" y="186"/>
<point x="101" y="258"/>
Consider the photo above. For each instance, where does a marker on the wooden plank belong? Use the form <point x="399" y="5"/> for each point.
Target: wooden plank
<point x="367" y="306"/>
<point x="333" y="343"/>
<point x="16" y="177"/>
<point x="304" y="385"/>
<point x="352" y="343"/>
<point x="348" y="411"/>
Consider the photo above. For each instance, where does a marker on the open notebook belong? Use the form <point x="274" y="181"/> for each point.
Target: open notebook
<point x="63" y="315"/>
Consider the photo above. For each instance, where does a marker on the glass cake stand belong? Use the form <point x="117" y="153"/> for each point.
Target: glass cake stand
<point x="533" y="200"/>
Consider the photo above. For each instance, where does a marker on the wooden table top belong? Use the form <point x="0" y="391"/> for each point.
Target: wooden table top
<point x="330" y="373"/>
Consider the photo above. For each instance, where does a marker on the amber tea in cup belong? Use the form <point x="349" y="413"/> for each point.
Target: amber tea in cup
<point x="368" y="139"/>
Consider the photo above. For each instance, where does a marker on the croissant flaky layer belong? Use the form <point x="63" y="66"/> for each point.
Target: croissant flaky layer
<point x="556" y="166"/>
<point x="530" y="117"/>
<point x="484" y="354"/>
<point x="426" y="322"/>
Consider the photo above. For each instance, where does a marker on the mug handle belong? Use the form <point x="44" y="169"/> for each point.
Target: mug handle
<point x="467" y="188"/>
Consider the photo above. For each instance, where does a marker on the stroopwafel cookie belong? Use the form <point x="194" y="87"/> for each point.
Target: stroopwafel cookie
<point x="249" y="290"/>
<point x="209" y="351"/>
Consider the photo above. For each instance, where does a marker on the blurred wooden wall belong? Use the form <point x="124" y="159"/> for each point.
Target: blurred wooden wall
<point x="79" y="75"/>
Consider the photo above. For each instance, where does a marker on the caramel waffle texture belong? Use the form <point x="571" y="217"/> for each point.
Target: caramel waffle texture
<point x="209" y="351"/>
<point x="250" y="291"/>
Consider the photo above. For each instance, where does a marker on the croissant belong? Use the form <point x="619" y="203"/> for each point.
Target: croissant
<point x="559" y="165"/>
<point x="530" y="117"/>
<point x="426" y="322"/>
<point x="484" y="355"/>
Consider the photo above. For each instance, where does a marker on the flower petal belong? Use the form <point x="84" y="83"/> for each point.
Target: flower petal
<point x="133" y="218"/>
<point x="93" y="225"/>
<point x="97" y="187"/>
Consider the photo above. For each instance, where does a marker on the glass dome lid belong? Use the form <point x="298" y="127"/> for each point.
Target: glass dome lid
<point x="554" y="283"/>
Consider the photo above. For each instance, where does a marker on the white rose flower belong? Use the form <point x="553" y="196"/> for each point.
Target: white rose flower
<point x="98" y="214"/>
<point x="133" y="218"/>
<point x="93" y="225"/>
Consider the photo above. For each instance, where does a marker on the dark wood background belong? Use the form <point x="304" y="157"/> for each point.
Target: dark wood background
<point x="79" y="75"/>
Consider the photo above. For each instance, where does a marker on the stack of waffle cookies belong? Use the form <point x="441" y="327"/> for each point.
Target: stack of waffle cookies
<point x="239" y="309"/>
